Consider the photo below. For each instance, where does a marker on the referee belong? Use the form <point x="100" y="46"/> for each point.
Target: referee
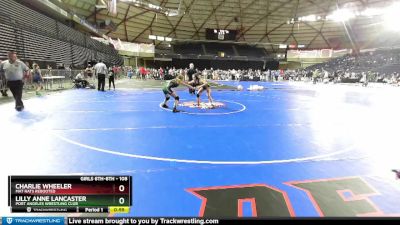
<point x="13" y="70"/>
<point x="191" y="71"/>
<point x="101" y="71"/>
<point x="190" y="74"/>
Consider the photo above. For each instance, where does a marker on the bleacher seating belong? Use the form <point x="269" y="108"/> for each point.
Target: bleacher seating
<point x="38" y="37"/>
<point x="188" y="49"/>
<point x="249" y="51"/>
<point x="195" y="50"/>
<point x="29" y="17"/>
<point x="383" y="61"/>
<point x="215" y="48"/>
<point x="7" y="40"/>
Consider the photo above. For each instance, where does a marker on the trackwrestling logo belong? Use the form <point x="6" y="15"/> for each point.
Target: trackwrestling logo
<point x="33" y="220"/>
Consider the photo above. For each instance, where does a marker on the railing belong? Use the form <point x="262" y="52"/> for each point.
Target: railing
<point x="64" y="77"/>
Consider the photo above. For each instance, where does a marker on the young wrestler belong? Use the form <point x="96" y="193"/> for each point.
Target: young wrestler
<point x="167" y="89"/>
<point x="201" y="86"/>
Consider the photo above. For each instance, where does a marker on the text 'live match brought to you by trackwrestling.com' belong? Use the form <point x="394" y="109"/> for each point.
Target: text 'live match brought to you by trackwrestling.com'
<point x="104" y="200"/>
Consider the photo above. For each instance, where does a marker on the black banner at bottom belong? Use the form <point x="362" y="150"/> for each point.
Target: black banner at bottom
<point x="210" y="221"/>
<point x="60" y="210"/>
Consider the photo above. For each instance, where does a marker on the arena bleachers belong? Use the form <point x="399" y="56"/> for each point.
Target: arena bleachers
<point x="245" y="50"/>
<point x="38" y="37"/>
<point x="383" y="61"/>
<point x="215" y="48"/>
<point x="8" y="39"/>
<point x="188" y="49"/>
<point x="235" y="51"/>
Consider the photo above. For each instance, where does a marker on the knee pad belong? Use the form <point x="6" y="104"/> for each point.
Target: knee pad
<point x="167" y="98"/>
<point x="177" y="98"/>
<point x="198" y="95"/>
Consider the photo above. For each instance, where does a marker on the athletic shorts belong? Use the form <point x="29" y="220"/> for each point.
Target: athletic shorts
<point x="37" y="79"/>
<point x="167" y="91"/>
<point x="205" y="87"/>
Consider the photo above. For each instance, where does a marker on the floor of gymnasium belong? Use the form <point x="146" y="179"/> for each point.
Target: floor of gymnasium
<point x="293" y="149"/>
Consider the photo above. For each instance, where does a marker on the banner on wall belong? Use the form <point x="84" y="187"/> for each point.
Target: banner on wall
<point x="316" y="54"/>
<point x="128" y="48"/>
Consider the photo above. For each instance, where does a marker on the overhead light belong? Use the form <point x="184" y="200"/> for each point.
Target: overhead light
<point x="301" y="46"/>
<point x="341" y="15"/>
<point x="282" y="46"/>
<point x="151" y="6"/>
<point x="168" y="39"/>
<point x="160" y="38"/>
<point x="310" y="18"/>
<point x="152" y="37"/>
<point x="391" y="17"/>
<point x="372" y="12"/>
<point x="102" y="6"/>
<point x="172" y="12"/>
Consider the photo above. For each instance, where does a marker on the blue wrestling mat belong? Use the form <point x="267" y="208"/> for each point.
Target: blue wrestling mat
<point x="288" y="150"/>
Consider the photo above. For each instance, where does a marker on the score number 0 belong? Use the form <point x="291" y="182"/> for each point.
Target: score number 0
<point x="121" y="200"/>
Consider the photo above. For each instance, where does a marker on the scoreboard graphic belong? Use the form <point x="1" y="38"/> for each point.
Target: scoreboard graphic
<point x="64" y="194"/>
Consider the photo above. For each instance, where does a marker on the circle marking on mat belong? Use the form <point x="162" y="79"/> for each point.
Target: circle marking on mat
<point x="243" y="107"/>
<point x="193" y="161"/>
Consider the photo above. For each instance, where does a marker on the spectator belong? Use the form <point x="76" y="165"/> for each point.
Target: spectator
<point x="14" y="69"/>
<point x="27" y="76"/>
<point x="49" y="71"/>
<point x="161" y="73"/>
<point x="37" y="79"/>
<point x="129" y="73"/>
<point x="80" y="80"/>
<point x="3" y="84"/>
<point x="142" y="72"/>
<point x="115" y="71"/>
<point x="316" y="75"/>
<point x="69" y="72"/>
<point x="111" y="78"/>
<point x="79" y="76"/>
<point x="101" y="70"/>
<point x="89" y="71"/>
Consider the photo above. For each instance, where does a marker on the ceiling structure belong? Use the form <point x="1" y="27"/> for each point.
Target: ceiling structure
<point x="259" y="22"/>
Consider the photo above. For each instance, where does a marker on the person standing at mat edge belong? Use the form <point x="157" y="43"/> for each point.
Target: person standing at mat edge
<point x="3" y="84"/>
<point x="14" y="70"/>
<point x="190" y="74"/>
<point x="101" y="71"/>
<point x="191" y="71"/>
<point x="111" y="78"/>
